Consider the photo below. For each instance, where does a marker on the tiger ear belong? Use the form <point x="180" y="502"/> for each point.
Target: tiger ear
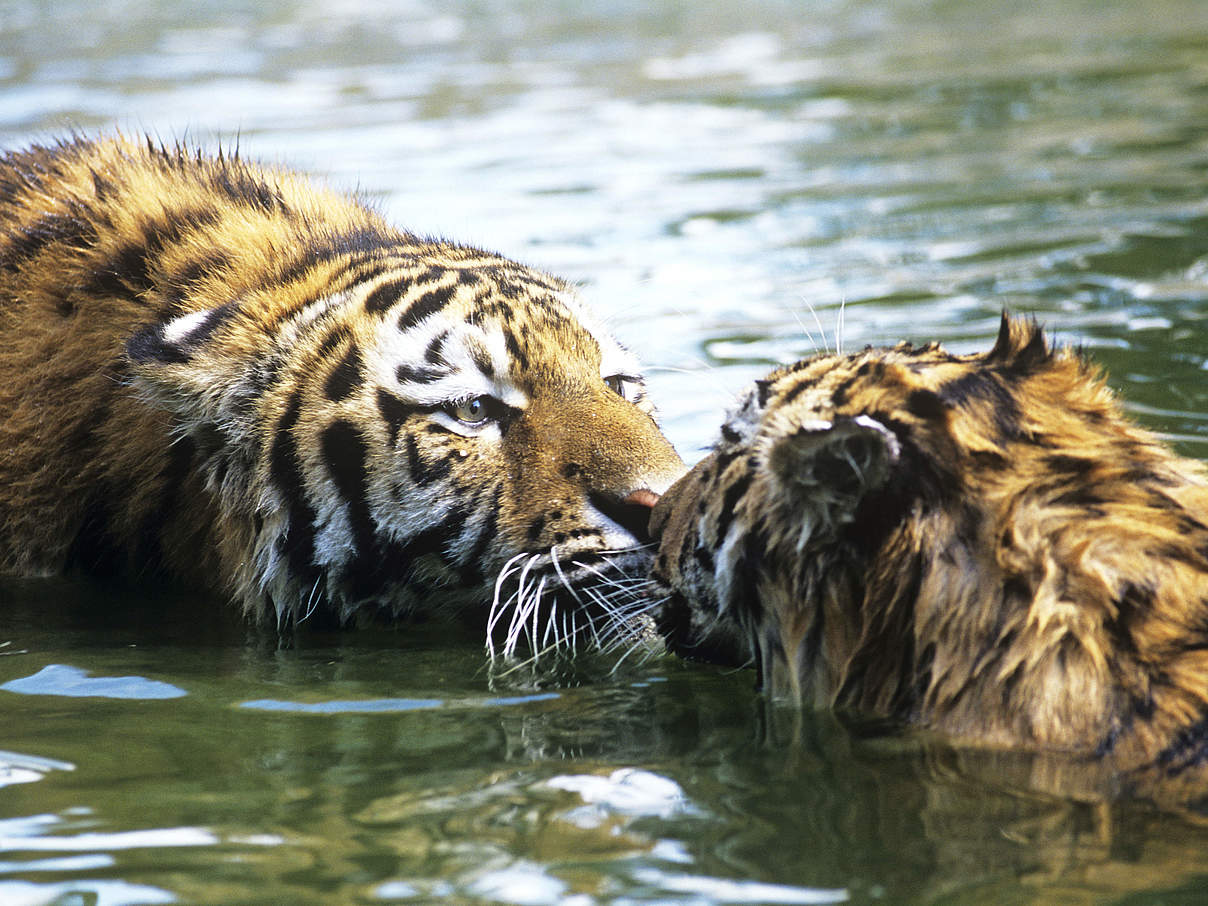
<point x="175" y="340"/>
<point x="834" y="464"/>
<point x="183" y="364"/>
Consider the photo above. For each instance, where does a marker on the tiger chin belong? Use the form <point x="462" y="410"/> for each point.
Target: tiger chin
<point x="980" y="545"/>
<point x="232" y="376"/>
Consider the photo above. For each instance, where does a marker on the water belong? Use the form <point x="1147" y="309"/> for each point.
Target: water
<point x="734" y="185"/>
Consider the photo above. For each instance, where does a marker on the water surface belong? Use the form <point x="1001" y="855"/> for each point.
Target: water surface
<point x="734" y="187"/>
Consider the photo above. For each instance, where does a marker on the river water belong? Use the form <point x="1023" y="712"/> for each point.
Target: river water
<point x="735" y="185"/>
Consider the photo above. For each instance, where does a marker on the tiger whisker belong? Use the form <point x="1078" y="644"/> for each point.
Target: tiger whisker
<point x="607" y="580"/>
<point x="312" y="601"/>
<point x="805" y="330"/>
<point x="841" y="327"/>
<point x="553" y="553"/>
<point x="536" y="614"/>
<point x="498" y="609"/>
<point x="526" y="604"/>
<point x="618" y="622"/>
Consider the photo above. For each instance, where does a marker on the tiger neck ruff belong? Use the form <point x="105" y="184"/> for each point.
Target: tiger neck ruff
<point x="232" y="375"/>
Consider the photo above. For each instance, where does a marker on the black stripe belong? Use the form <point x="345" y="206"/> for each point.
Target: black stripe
<point x="128" y="271"/>
<point x="471" y="564"/>
<point x="180" y="284"/>
<point x="358" y="245"/>
<point x="411" y="374"/>
<point x="423" y="470"/>
<point x="147" y="345"/>
<point x="428" y="304"/>
<point x="173" y="475"/>
<point x="1189" y="749"/>
<point x="487" y="306"/>
<point x="383" y="297"/>
<point x="298" y="540"/>
<point x="345" y="453"/>
<point x="247" y="189"/>
<point x="803" y="384"/>
<point x="763" y="389"/>
<point x="413" y="464"/>
<point x="204" y="329"/>
<point x="536" y="527"/>
<point x="380" y="564"/>
<point x="482" y="360"/>
<point x="394" y="412"/>
<point x="25" y="243"/>
<point x="337" y="335"/>
<point x="984" y="386"/>
<point x="839" y="395"/>
<point x="924" y="404"/>
<point x="431" y="541"/>
<point x="433" y="355"/>
<point x="347" y="376"/>
<point x="515" y="351"/>
<point x="733" y="494"/>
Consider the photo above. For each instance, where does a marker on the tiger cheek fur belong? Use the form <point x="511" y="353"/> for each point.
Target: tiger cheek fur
<point x="980" y="544"/>
<point x="234" y="376"/>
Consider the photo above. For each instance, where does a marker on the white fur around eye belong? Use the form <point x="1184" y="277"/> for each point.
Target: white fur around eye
<point x="487" y="429"/>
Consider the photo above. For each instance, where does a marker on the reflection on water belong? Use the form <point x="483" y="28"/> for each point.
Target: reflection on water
<point x="736" y="185"/>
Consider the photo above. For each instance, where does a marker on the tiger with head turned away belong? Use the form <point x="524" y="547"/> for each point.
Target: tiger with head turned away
<point x="981" y="545"/>
<point x="232" y="376"/>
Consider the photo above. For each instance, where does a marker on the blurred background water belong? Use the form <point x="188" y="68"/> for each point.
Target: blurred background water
<point x="734" y="185"/>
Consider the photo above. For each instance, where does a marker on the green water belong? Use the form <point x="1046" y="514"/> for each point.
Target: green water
<point x="734" y="186"/>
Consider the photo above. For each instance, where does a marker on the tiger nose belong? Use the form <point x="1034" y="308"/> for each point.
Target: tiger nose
<point x="631" y="512"/>
<point x="642" y="497"/>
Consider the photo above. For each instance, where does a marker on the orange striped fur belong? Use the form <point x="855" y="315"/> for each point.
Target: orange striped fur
<point x="979" y="544"/>
<point x="234" y="376"/>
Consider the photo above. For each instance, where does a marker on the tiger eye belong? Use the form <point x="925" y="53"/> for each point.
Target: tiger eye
<point x="471" y="411"/>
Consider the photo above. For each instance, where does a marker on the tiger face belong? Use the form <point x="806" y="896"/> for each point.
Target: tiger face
<point x="232" y="375"/>
<point x="980" y="544"/>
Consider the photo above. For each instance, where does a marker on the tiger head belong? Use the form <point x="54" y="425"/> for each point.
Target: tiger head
<point x="452" y="430"/>
<point x="980" y="543"/>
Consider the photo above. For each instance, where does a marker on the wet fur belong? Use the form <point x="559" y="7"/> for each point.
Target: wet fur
<point x="981" y="544"/>
<point x="231" y="375"/>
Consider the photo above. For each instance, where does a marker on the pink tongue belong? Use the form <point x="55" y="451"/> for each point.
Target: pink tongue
<point x="642" y="497"/>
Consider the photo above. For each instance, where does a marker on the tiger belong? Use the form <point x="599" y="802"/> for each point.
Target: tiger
<point x="233" y="376"/>
<point x="979" y="545"/>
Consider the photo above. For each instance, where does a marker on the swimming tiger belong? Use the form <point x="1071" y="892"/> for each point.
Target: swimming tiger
<point x="982" y="545"/>
<point x="231" y="375"/>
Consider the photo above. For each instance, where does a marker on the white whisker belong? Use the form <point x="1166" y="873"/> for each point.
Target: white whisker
<point x="497" y="608"/>
<point x="805" y="330"/>
<point x="817" y="321"/>
<point x="553" y="552"/>
<point x="841" y="326"/>
<point x="312" y="600"/>
<point x="536" y="615"/>
<point x="549" y="607"/>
